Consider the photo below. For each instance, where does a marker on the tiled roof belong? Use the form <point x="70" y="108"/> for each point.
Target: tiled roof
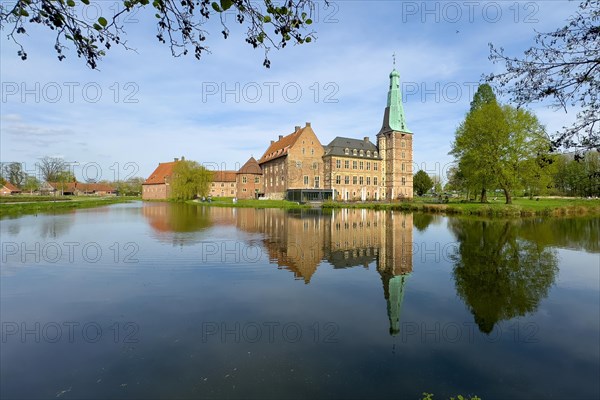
<point x="11" y="187"/>
<point x="164" y="170"/>
<point x="224" y="176"/>
<point x="82" y="187"/>
<point x="251" y="167"/>
<point x="338" y="146"/>
<point x="281" y="147"/>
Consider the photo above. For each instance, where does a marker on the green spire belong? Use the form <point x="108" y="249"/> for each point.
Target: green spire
<point x="394" y="302"/>
<point x="394" y="103"/>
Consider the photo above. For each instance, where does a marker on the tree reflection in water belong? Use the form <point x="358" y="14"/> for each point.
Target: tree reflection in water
<point x="498" y="274"/>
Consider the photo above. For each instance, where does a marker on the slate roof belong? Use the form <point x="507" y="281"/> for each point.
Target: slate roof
<point x="338" y="146"/>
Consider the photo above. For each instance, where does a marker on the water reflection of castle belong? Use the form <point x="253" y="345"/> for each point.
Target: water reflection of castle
<point x="301" y="241"/>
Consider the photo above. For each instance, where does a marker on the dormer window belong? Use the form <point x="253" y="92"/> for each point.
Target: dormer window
<point x="362" y="153"/>
<point x="374" y="154"/>
<point x="368" y="153"/>
<point x="354" y="152"/>
<point x="346" y="151"/>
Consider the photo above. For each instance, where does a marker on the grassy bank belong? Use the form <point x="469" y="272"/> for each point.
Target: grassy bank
<point x="250" y="203"/>
<point x="520" y="207"/>
<point x="23" y="207"/>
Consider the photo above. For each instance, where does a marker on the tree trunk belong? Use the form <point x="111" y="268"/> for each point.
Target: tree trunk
<point x="508" y="197"/>
<point x="483" y="196"/>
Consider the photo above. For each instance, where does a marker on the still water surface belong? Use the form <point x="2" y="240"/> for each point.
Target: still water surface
<point x="176" y="301"/>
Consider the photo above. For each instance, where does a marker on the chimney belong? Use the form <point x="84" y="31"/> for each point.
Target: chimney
<point x="182" y="158"/>
<point x="296" y="128"/>
<point x="280" y="137"/>
<point x="272" y="141"/>
<point x="308" y="124"/>
<point x="176" y="159"/>
<point x="367" y="139"/>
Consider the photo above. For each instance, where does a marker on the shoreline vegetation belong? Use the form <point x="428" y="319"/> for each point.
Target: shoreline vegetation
<point x="13" y="206"/>
<point x="521" y="207"/>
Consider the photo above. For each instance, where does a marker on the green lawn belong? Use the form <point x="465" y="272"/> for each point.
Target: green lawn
<point x="520" y="207"/>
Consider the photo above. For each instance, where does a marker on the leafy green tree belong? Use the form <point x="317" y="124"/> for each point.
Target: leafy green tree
<point x="564" y="67"/>
<point x="498" y="274"/>
<point x="31" y="184"/>
<point x="13" y="172"/>
<point x="422" y="182"/>
<point x="130" y="187"/>
<point x="189" y="180"/>
<point x="181" y="24"/>
<point x="499" y="146"/>
<point x="471" y="134"/>
<point x="521" y="151"/>
<point x="578" y="176"/>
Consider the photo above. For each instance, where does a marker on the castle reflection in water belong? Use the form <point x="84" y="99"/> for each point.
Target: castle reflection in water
<point x="301" y="240"/>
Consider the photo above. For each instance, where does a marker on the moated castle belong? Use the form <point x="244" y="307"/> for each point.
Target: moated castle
<point x="298" y="167"/>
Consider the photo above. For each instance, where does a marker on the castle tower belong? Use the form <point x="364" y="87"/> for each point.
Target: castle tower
<point x="395" y="145"/>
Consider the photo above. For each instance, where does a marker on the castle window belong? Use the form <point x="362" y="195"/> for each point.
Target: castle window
<point x="374" y="181"/>
<point x="257" y="179"/>
<point x="338" y="180"/>
<point x="317" y="182"/>
<point x="403" y="181"/>
<point x="402" y="143"/>
<point x="244" y="179"/>
<point x="361" y="165"/>
<point x="368" y="180"/>
<point x="354" y="164"/>
<point x="346" y="164"/>
<point x="306" y="179"/>
<point x="354" y="180"/>
<point x="375" y="166"/>
<point x="315" y="166"/>
<point x="338" y="163"/>
<point x="368" y="166"/>
<point x="347" y="180"/>
<point x="361" y="180"/>
<point x="312" y="152"/>
<point x="346" y="151"/>
<point x="298" y="164"/>
<point x="402" y="167"/>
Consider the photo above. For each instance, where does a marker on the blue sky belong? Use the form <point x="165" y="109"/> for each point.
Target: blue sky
<point x="143" y="107"/>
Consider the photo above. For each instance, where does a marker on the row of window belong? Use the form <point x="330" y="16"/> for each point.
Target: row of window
<point x="223" y="185"/>
<point x="245" y="179"/>
<point x="356" y="165"/>
<point x="360" y="153"/>
<point x="356" y="180"/>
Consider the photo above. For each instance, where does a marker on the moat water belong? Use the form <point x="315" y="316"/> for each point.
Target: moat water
<point x="160" y="300"/>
